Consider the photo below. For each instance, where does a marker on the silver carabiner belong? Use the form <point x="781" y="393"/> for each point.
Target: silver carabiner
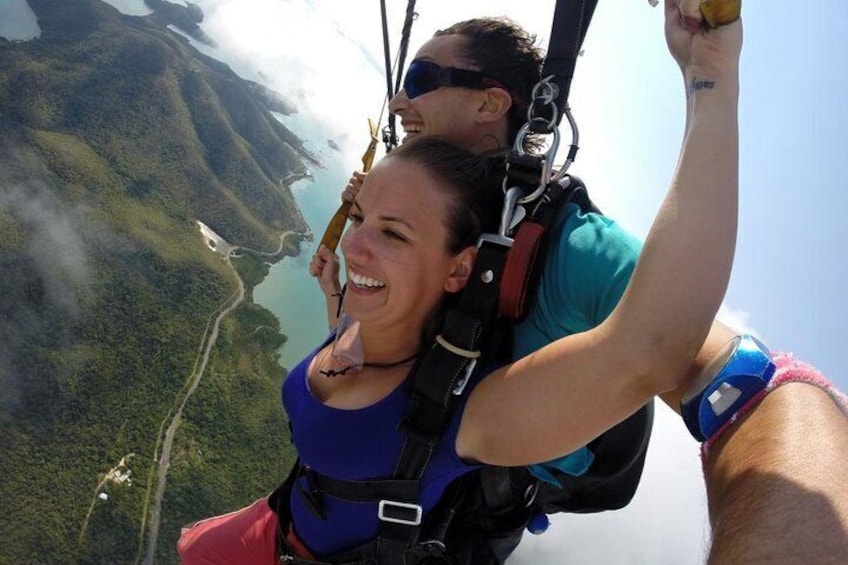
<point x="575" y="142"/>
<point x="545" y="90"/>
<point x="547" y="163"/>
<point x="511" y="198"/>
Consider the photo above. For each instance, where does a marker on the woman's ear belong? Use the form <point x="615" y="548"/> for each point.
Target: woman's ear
<point x="463" y="264"/>
<point x="495" y="105"/>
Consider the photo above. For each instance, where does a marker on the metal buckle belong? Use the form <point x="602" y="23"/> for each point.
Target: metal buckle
<point x="402" y="507"/>
<point x="507" y="212"/>
<point x="495" y="239"/>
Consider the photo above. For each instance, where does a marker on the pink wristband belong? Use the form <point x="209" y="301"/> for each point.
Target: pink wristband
<point x="788" y="370"/>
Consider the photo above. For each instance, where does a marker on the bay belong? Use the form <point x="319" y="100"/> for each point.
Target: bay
<point x="288" y="291"/>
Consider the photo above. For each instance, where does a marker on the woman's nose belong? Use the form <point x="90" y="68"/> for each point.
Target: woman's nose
<point x="355" y="244"/>
<point x="399" y="102"/>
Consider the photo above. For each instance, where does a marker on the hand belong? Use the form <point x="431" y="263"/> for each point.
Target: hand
<point x="701" y="52"/>
<point x="353" y="186"/>
<point x="324" y="265"/>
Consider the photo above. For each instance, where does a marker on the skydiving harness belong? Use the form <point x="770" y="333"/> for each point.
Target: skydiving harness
<point x="500" y="291"/>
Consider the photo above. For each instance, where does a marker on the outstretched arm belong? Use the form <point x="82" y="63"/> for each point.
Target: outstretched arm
<point x="779" y="474"/>
<point x="580" y="385"/>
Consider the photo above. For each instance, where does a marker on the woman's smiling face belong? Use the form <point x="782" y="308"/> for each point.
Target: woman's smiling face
<point x="396" y="252"/>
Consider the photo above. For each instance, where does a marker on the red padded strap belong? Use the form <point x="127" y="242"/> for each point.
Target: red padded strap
<point x="520" y="262"/>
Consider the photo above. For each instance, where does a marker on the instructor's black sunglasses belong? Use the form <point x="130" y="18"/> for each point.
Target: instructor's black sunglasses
<point x="426" y="76"/>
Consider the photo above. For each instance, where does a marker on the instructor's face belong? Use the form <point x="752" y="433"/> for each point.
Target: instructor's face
<point x="449" y="111"/>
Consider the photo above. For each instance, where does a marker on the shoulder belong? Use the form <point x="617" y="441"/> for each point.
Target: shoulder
<point x="591" y="239"/>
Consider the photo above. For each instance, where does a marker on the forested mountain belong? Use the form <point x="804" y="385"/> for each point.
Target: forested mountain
<point x="116" y="137"/>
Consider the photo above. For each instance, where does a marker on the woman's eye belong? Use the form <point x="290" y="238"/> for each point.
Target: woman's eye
<point x="355" y="217"/>
<point x="394" y="235"/>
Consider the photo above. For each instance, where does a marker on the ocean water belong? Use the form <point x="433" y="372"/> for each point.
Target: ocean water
<point x="18" y="21"/>
<point x="288" y="291"/>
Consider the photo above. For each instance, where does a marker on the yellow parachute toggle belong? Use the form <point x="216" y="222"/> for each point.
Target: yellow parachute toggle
<point x="721" y="12"/>
<point x="337" y="223"/>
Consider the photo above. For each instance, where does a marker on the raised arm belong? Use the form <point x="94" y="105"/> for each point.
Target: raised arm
<point x="562" y="396"/>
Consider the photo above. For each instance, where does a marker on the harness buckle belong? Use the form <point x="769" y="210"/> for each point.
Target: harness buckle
<point x="507" y="214"/>
<point x="494" y="239"/>
<point x="400" y="512"/>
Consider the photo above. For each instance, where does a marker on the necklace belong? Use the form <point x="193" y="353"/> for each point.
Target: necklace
<point x="388" y="365"/>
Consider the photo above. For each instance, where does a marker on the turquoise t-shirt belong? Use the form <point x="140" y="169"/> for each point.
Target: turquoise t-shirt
<point x="589" y="262"/>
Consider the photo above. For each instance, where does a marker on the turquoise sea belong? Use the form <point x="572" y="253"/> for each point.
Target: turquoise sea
<point x="288" y="291"/>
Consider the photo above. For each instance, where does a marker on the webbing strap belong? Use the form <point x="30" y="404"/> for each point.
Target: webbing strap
<point x="387" y="62"/>
<point x="390" y="133"/>
<point x="441" y="373"/>
<point x="519" y="264"/>
<point x="365" y="490"/>
<point x="404" y="42"/>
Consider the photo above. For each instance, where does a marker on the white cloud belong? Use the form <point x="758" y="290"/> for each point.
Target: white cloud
<point x="297" y="48"/>
<point x="736" y="319"/>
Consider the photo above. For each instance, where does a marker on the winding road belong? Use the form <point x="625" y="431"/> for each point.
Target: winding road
<point x="209" y="338"/>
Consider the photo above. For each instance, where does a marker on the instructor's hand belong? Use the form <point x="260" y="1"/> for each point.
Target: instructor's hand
<point x="324" y="266"/>
<point x="353" y="186"/>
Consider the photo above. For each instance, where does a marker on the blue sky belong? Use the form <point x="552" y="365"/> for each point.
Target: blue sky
<point x="627" y="96"/>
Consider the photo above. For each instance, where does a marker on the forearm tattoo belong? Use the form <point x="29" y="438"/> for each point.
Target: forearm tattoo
<point x="698" y="84"/>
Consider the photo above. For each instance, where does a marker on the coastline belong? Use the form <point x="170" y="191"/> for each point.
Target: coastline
<point x="288" y="291"/>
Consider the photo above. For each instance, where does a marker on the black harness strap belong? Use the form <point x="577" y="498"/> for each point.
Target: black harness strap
<point x="438" y="382"/>
<point x="365" y="491"/>
<point x="404" y="42"/>
<point x="387" y="57"/>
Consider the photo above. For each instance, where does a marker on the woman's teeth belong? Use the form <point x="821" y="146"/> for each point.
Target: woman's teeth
<point x="360" y="280"/>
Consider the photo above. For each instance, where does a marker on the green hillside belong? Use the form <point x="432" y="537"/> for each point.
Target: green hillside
<point x="116" y="136"/>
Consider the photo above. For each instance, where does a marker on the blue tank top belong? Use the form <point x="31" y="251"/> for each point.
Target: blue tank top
<point x="357" y="445"/>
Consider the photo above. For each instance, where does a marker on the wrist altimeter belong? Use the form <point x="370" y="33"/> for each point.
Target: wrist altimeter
<point x="742" y="369"/>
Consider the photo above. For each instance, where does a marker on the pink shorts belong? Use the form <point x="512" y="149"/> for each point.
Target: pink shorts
<point x="246" y="537"/>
